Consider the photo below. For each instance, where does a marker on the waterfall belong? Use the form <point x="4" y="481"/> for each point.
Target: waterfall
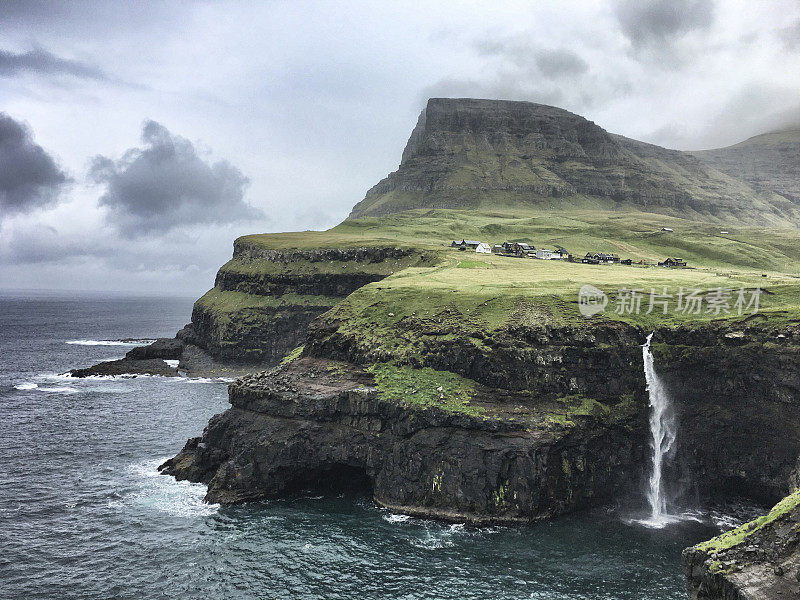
<point x="662" y="438"/>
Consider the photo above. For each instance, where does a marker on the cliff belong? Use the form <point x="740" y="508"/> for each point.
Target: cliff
<point x="467" y="153"/>
<point x="264" y="299"/>
<point x="557" y="423"/>
<point x="760" y="559"/>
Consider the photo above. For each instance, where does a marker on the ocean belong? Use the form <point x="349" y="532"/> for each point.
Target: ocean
<point x="85" y="514"/>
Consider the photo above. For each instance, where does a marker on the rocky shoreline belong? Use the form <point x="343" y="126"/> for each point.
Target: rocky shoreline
<point x="313" y="420"/>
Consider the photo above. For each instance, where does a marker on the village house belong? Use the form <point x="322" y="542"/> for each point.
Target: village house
<point x="483" y="248"/>
<point x="548" y="255"/>
<point x="599" y="258"/>
<point x="673" y="262"/>
<point x="465" y="244"/>
<point x="519" y="249"/>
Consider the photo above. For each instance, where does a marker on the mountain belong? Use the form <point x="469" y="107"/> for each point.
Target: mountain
<point x="769" y="162"/>
<point x="469" y="153"/>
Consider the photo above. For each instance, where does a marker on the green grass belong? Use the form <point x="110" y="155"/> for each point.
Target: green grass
<point x="469" y="296"/>
<point x="400" y="312"/>
<point x="227" y="302"/>
<point x="570" y="408"/>
<point x="425" y="388"/>
<point x="631" y="234"/>
<point x="292" y="356"/>
<point x="732" y="538"/>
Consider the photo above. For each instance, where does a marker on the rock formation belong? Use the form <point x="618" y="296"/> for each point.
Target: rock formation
<point x="467" y="153"/>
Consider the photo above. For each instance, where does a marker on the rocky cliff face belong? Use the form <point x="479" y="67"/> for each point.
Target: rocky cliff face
<point x="557" y="421"/>
<point x="738" y="397"/>
<point x="760" y="559"/>
<point x="263" y="300"/>
<point x="314" y="423"/>
<point x="470" y="153"/>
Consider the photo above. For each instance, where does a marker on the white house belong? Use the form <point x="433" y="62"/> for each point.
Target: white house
<point x="548" y="255"/>
<point x="483" y="248"/>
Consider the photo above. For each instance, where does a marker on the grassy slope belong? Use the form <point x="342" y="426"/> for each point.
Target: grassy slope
<point x="490" y="290"/>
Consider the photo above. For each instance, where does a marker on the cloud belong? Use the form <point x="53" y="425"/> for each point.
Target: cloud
<point x="29" y="176"/>
<point x="501" y="87"/>
<point x="549" y="63"/>
<point x="791" y="36"/>
<point x="652" y="26"/>
<point x="751" y="110"/>
<point x="555" y="64"/>
<point x="647" y="22"/>
<point x="42" y="62"/>
<point x="167" y="184"/>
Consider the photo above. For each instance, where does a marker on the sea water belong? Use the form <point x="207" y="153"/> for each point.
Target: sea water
<point x="84" y="513"/>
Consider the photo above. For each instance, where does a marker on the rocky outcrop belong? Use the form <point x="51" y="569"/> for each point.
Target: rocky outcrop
<point x="467" y="153"/>
<point x="324" y="415"/>
<point x="738" y="396"/>
<point x="127" y="366"/>
<point x="263" y="299"/>
<point x="314" y="422"/>
<point x="261" y="306"/>
<point x="141" y="360"/>
<point x="759" y="560"/>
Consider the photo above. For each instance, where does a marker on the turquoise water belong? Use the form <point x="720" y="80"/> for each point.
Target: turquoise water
<point x="84" y="514"/>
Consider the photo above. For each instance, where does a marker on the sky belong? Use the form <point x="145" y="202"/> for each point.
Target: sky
<point x="138" y="140"/>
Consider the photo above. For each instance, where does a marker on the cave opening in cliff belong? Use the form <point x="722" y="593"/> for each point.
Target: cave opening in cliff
<point x="332" y="479"/>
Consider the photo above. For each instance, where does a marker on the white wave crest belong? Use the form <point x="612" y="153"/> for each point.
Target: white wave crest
<point x="57" y="390"/>
<point x="26" y="386"/>
<point x="393" y="518"/>
<point x="165" y="494"/>
<point x="203" y="379"/>
<point x="131" y="342"/>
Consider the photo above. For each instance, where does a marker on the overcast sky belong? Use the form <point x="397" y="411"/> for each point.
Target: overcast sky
<point x="137" y="140"/>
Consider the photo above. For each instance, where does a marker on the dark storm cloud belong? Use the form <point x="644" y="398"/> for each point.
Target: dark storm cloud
<point x="167" y="184"/>
<point x="654" y="24"/>
<point x="29" y="176"/>
<point x="42" y="62"/>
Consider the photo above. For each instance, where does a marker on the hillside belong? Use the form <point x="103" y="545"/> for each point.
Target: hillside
<point x="768" y="162"/>
<point x="467" y="153"/>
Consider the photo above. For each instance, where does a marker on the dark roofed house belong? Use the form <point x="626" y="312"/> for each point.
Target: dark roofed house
<point x="590" y="259"/>
<point x="673" y="262"/>
<point x="517" y="249"/>
<point x="597" y="258"/>
<point x="464" y="244"/>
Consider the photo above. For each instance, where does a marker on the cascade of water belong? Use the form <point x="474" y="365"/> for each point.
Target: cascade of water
<point x="662" y="438"/>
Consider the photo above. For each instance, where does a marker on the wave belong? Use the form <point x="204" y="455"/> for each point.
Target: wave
<point x="56" y="389"/>
<point x="165" y="494"/>
<point x="394" y="518"/>
<point x="26" y="386"/>
<point x="124" y="342"/>
<point x="203" y="379"/>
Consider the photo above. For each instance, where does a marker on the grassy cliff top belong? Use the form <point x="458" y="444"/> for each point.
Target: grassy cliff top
<point x="488" y="291"/>
<point x="631" y="234"/>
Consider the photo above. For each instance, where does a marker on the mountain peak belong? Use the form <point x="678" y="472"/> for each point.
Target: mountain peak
<point x="480" y="153"/>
